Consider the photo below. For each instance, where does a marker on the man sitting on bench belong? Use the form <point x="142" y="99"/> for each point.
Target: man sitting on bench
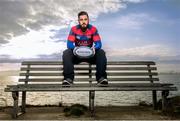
<point x="84" y="37"/>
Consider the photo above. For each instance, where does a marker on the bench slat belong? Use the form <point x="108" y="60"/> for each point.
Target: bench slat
<point x="109" y="63"/>
<point x="86" y="73"/>
<point x="87" y="79"/>
<point x="92" y="85"/>
<point x="131" y="63"/>
<point x="85" y="68"/>
<point x="92" y="88"/>
<point x="110" y="85"/>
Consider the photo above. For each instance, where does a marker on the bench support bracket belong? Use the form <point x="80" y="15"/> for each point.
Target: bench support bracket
<point x="23" y="108"/>
<point x="15" y="96"/>
<point x="91" y="102"/>
<point x="165" y="93"/>
<point x="154" y="95"/>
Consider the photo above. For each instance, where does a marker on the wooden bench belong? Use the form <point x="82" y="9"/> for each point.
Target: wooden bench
<point x="122" y="76"/>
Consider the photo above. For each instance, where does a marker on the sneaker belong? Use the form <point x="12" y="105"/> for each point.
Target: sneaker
<point x="67" y="82"/>
<point x="102" y="82"/>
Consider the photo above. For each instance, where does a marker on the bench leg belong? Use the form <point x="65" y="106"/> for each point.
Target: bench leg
<point x="91" y="102"/>
<point x="154" y="95"/>
<point x="23" y="108"/>
<point x="15" y="96"/>
<point x="165" y="93"/>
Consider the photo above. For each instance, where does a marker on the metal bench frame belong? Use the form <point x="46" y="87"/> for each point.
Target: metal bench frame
<point x="129" y="69"/>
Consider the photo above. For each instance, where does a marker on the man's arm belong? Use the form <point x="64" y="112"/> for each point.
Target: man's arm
<point x="71" y="40"/>
<point x="97" y="40"/>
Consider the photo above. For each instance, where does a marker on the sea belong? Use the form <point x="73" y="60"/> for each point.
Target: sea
<point x="9" y="75"/>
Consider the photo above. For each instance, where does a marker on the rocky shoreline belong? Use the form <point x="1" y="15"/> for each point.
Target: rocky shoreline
<point x="143" y="111"/>
<point x="101" y="113"/>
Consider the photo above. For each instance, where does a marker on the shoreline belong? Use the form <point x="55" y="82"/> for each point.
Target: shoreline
<point x="53" y="112"/>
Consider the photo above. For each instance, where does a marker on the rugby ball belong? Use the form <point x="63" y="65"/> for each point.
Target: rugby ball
<point x="83" y="52"/>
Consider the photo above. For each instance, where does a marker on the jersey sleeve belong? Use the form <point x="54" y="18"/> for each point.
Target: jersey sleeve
<point x="97" y="39"/>
<point x="71" y="40"/>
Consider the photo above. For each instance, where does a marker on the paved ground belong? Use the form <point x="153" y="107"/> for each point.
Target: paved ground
<point x="101" y="113"/>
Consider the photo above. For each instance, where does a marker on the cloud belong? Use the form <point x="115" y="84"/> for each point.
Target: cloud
<point x="35" y="28"/>
<point x="9" y="15"/>
<point x="134" y="1"/>
<point x="2" y="41"/>
<point x="135" y="21"/>
<point x="25" y="24"/>
<point x="143" y="51"/>
<point x="32" y="44"/>
<point x="19" y="15"/>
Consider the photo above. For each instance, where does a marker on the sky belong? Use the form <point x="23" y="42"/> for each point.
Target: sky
<point x="130" y="29"/>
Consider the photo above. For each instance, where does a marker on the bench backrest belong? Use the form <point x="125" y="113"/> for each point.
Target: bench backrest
<point x="121" y="71"/>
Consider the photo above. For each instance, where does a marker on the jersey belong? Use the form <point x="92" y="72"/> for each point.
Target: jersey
<point x="77" y="37"/>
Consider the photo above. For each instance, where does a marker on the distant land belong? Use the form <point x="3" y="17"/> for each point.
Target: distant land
<point x="9" y="73"/>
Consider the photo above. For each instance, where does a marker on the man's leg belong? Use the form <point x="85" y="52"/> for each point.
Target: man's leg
<point x="101" y="62"/>
<point x="68" y="64"/>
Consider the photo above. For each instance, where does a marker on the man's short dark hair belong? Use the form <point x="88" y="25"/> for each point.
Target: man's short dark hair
<point x="83" y="13"/>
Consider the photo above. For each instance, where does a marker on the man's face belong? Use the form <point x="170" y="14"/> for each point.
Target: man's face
<point x="83" y="21"/>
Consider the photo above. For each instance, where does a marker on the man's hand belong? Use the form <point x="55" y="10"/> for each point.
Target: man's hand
<point x="94" y="50"/>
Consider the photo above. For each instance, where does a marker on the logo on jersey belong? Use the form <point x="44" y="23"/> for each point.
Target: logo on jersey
<point x="78" y="37"/>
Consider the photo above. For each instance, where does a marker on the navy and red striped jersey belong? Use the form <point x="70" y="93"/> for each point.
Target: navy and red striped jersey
<point x="79" y="38"/>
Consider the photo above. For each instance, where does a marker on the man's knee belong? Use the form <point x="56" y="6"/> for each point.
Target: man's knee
<point x="101" y="52"/>
<point x="67" y="53"/>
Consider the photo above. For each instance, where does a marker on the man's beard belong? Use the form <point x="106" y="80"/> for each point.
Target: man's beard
<point x="83" y="28"/>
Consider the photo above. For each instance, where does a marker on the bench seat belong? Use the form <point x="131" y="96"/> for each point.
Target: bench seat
<point x="92" y="87"/>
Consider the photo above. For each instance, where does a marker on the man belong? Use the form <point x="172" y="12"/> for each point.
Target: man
<point x="84" y="34"/>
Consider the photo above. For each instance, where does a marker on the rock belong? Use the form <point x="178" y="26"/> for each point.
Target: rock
<point x="75" y="110"/>
<point x="173" y="105"/>
<point x="144" y="103"/>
